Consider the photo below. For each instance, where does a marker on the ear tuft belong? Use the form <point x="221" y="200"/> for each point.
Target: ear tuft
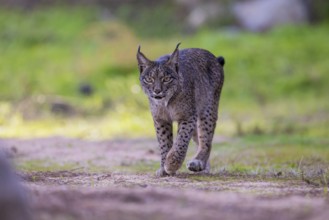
<point x="177" y="46"/>
<point x="142" y="60"/>
<point x="139" y="49"/>
<point x="174" y="58"/>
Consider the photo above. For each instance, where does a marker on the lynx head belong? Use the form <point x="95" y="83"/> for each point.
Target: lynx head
<point x="159" y="79"/>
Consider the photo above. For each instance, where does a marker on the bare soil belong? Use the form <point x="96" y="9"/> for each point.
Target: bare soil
<point x="83" y="194"/>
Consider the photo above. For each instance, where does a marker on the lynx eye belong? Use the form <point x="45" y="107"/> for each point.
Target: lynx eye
<point x="148" y="80"/>
<point x="166" y="79"/>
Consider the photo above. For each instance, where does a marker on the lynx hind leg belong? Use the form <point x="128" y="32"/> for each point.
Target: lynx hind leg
<point x="196" y="165"/>
<point x="195" y="137"/>
<point x="196" y="140"/>
<point x="206" y="128"/>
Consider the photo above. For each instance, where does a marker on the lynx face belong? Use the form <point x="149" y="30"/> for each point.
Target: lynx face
<point x="159" y="79"/>
<point x="159" y="82"/>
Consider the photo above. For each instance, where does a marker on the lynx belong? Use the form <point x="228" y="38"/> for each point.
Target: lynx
<point x="183" y="87"/>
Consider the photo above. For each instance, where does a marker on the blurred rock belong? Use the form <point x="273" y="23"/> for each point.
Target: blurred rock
<point x="262" y="15"/>
<point x="61" y="108"/>
<point x="202" y="14"/>
<point x="86" y="89"/>
<point x="13" y="200"/>
<point x="199" y="13"/>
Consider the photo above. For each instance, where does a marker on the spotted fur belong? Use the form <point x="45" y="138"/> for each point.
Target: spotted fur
<point x="183" y="87"/>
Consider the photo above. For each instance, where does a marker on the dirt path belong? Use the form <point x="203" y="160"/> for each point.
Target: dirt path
<point x="110" y="194"/>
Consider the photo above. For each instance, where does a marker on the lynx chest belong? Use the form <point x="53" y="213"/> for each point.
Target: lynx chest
<point x="171" y="112"/>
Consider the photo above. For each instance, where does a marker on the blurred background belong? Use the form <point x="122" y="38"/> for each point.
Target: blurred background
<point x="69" y="67"/>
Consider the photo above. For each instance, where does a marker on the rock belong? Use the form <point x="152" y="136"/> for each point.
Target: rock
<point x="61" y="108"/>
<point x="262" y="15"/>
<point x="13" y="200"/>
<point x="86" y="89"/>
<point x="202" y="14"/>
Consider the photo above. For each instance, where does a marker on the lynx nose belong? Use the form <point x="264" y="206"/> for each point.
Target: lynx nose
<point x="157" y="91"/>
<point x="157" y="94"/>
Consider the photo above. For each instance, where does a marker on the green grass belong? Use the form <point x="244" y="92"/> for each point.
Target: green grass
<point x="273" y="157"/>
<point x="275" y="83"/>
<point x="44" y="166"/>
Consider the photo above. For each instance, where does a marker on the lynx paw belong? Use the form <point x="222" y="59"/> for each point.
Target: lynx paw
<point x="161" y="172"/>
<point x="195" y="165"/>
<point x="169" y="170"/>
<point x="172" y="163"/>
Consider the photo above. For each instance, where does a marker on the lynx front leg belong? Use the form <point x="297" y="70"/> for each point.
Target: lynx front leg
<point x="165" y="140"/>
<point x="206" y="128"/>
<point x="176" y="155"/>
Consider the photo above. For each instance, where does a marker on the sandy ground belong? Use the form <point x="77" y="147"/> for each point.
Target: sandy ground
<point x="110" y="194"/>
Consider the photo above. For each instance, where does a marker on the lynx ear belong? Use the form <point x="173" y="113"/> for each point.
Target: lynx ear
<point x="174" y="58"/>
<point x="143" y="62"/>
